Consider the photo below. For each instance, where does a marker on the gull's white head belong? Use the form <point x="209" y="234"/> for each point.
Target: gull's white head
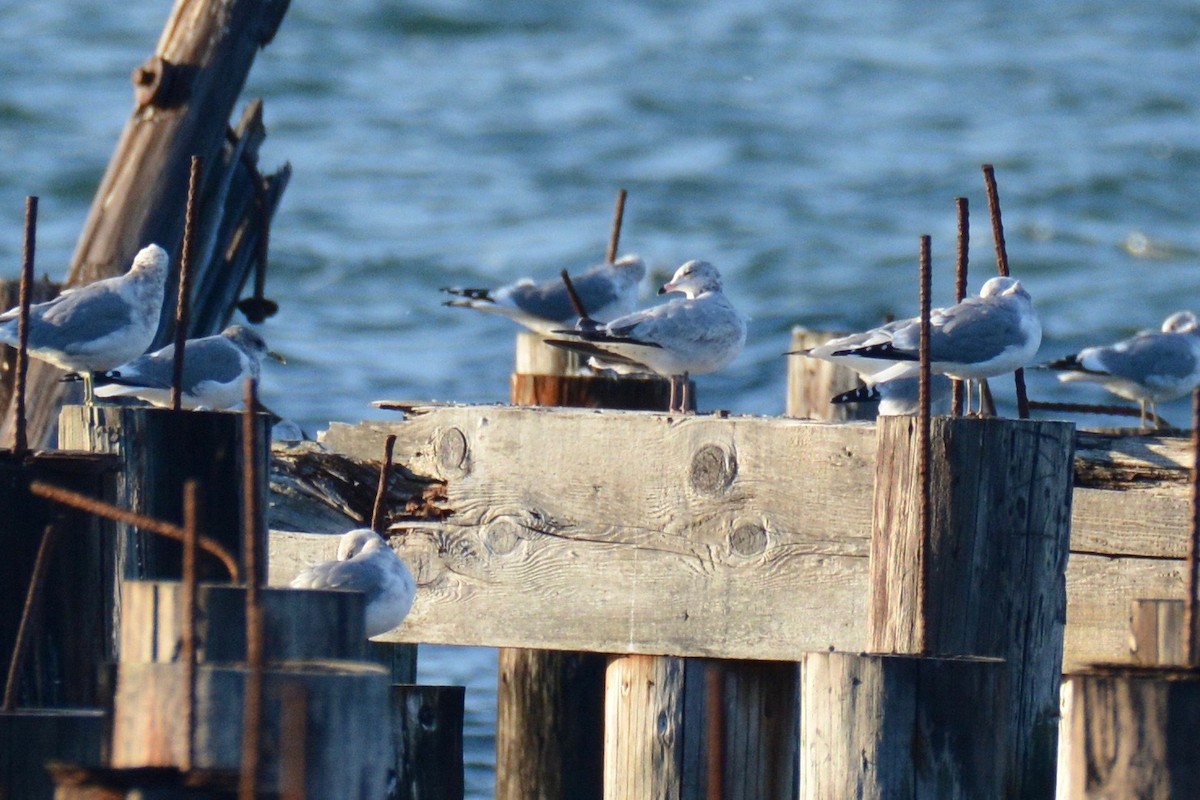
<point x="1181" y="322"/>
<point x="693" y="279"/>
<point x="359" y="540"/>
<point x="152" y="261"/>
<point x="1003" y="287"/>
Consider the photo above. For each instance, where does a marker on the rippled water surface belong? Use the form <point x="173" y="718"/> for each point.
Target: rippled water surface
<point x="802" y="147"/>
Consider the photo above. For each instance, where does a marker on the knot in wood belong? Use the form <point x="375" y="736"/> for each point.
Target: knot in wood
<point x="151" y="82"/>
<point x="748" y="540"/>
<point x="502" y="537"/>
<point x="451" y="450"/>
<point x="713" y="469"/>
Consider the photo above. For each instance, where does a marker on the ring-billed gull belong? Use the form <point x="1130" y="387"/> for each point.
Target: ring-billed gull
<point x="698" y="333"/>
<point x="606" y="291"/>
<point x="215" y="369"/>
<point x="1150" y="367"/>
<point x="994" y="333"/>
<point x="99" y="326"/>
<point x="901" y="397"/>
<point x="366" y="563"/>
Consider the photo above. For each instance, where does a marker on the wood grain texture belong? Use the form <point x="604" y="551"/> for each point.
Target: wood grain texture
<point x="889" y="727"/>
<point x="994" y="574"/>
<point x="347" y="751"/>
<point x="643" y="741"/>
<point x="1156" y="633"/>
<point x="1133" y="735"/>
<point x="594" y="510"/>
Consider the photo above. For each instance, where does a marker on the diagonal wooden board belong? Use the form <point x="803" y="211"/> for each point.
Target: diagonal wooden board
<point x="740" y="537"/>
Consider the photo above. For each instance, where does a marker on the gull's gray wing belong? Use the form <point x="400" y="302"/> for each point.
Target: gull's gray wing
<point x="363" y="575"/>
<point x="1148" y="359"/>
<point x="212" y="358"/>
<point x="968" y="333"/>
<point x="72" y="321"/>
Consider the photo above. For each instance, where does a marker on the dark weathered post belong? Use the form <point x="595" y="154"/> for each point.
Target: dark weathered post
<point x="992" y="581"/>
<point x="427" y="725"/>
<point x="811" y="383"/>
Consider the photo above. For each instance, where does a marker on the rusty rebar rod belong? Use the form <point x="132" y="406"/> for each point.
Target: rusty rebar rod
<point x="993" y="196"/>
<point x="385" y="471"/>
<point x="1089" y="408"/>
<point x="253" y="700"/>
<point x="118" y="514"/>
<point x="1193" y="553"/>
<point x="21" y="438"/>
<point x="923" y="442"/>
<point x="960" y="282"/>
<point x="293" y="740"/>
<point x="576" y="301"/>
<point x="187" y="649"/>
<point x="614" y="237"/>
<point x="184" y="301"/>
<point x="25" y="628"/>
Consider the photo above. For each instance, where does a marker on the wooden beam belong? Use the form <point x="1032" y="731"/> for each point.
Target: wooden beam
<point x="628" y="543"/>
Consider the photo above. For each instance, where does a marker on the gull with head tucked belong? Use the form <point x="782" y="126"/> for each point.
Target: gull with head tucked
<point x="98" y="326"/>
<point x="698" y="333"/>
<point x="366" y="563"/>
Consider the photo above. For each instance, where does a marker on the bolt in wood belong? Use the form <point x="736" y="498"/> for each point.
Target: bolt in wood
<point x="258" y="307"/>
<point x="27" y="625"/>
<point x="615" y="237"/>
<point x="117" y="514"/>
<point x="960" y="280"/>
<point x="993" y="196"/>
<point x="385" y="470"/>
<point x="183" y="303"/>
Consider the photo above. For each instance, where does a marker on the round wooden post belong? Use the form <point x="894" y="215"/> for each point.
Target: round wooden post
<point x="1133" y="734"/>
<point x="74" y="627"/>
<point x="891" y="727"/>
<point x="811" y="383"/>
<point x="159" y="449"/>
<point x="993" y="581"/>
<point x="643" y="726"/>
<point x="427" y="725"/>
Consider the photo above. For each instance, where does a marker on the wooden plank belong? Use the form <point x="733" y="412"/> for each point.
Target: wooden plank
<point x="552" y="517"/>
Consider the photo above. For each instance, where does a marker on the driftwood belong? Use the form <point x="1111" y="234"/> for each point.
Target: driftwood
<point x="185" y="95"/>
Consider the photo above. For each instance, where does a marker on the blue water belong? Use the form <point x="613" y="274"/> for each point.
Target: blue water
<point x="802" y="147"/>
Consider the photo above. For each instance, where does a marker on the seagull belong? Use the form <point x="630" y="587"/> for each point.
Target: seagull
<point x="366" y="564"/>
<point x="984" y="336"/>
<point x="215" y="369"/>
<point x="901" y="396"/>
<point x="698" y="333"/>
<point x="606" y="291"/>
<point x="1150" y="367"/>
<point x="864" y="366"/>
<point x="98" y="326"/>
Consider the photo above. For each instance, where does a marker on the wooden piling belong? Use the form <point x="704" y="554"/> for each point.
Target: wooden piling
<point x="892" y="727"/>
<point x="427" y="726"/>
<point x="548" y="376"/>
<point x="31" y="737"/>
<point x="159" y="450"/>
<point x="643" y="724"/>
<point x="811" y="383"/>
<point x="1133" y="734"/>
<point x="995" y="566"/>
<point x="75" y="632"/>
<point x="348" y="742"/>
<point x="1156" y="633"/>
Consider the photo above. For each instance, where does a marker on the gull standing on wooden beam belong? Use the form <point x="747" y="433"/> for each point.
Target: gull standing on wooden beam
<point x="698" y="333"/>
<point x="606" y="290"/>
<point x="981" y="337"/>
<point x="1151" y="367"/>
<point x="99" y="326"/>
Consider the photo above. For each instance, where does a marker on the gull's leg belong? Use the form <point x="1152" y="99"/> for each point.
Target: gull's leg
<point x="1154" y="414"/>
<point x="89" y="397"/>
<point x="685" y="405"/>
<point x="671" y="401"/>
